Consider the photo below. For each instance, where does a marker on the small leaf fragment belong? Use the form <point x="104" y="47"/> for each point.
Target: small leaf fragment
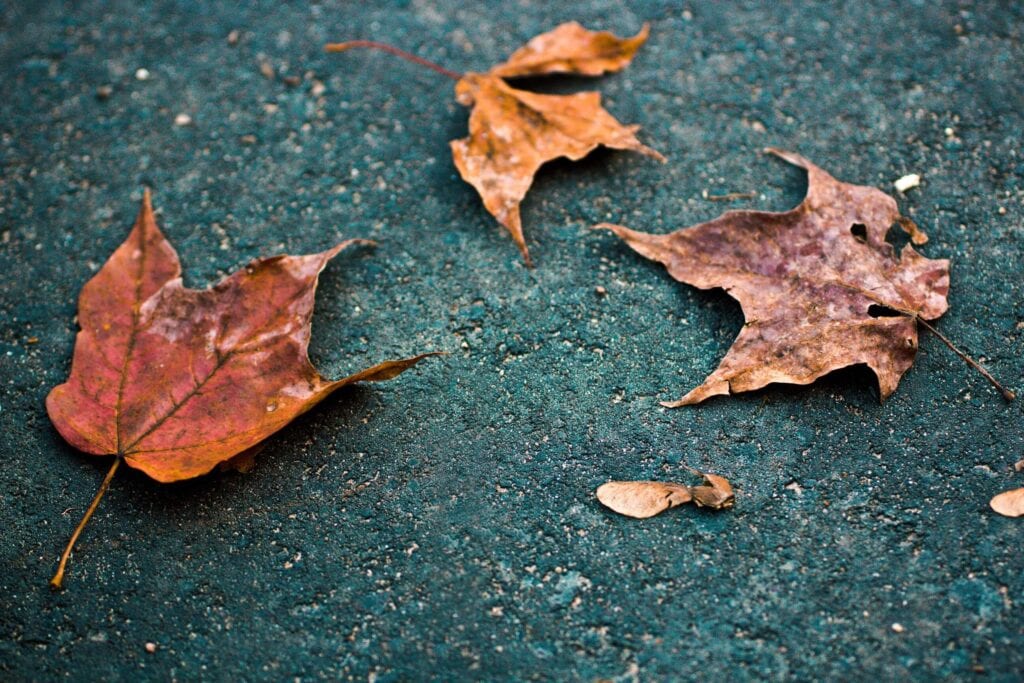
<point x="716" y="493"/>
<point x="1009" y="503"/>
<point x="642" y="499"/>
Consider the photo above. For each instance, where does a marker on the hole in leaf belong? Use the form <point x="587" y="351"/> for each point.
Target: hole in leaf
<point x="897" y="237"/>
<point x="879" y="311"/>
<point x="860" y="231"/>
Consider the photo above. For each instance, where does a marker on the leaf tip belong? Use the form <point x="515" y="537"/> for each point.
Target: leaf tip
<point x="610" y="227"/>
<point x="341" y="246"/>
<point x="789" y="157"/>
<point x="641" y="36"/>
<point x="653" y="154"/>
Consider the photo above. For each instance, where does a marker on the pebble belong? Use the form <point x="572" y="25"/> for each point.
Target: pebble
<point x="907" y="182"/>
<point x="142" y="74"/>
<point x="897" y="628"/>
<point x="183" y="120"/>
<point x="150" y="648"/>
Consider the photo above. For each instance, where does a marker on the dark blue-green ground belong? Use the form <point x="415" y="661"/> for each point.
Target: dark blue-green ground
<point x="442" y="526"/>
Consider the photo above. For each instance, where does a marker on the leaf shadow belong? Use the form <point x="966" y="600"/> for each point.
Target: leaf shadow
<point x="558" y="84"/>
<point x="346" y="407"/>
<point x="720" y="317"/>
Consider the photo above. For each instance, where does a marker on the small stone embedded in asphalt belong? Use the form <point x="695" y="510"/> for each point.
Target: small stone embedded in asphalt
<point x="907" y="182"/>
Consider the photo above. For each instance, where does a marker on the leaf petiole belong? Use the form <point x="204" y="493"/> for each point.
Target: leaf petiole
<point x="1007" y="394"/>
<point x="391" y="49"/>
<point x="56" y="583"/>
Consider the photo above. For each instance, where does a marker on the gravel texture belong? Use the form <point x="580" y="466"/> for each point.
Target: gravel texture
<point x="443" y="525"/>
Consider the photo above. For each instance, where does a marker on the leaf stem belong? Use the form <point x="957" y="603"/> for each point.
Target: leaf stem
<point x="730" y="196"/>
<point x="1007" y="394"/>
<point x="56" y="583"/>
<point x="391" y="49"/>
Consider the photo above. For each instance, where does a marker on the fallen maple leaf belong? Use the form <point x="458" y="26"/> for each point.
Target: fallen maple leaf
<point x="642" y="499"/>
<point x="174" y="381"/>
<point x="513" y="132"/>
<point x="1009" y="503"/>
<point x="820" y="287"/>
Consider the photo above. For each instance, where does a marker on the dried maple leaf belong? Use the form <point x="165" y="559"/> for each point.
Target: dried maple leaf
<point x="513" y="132"/>
<point x="1009" y="503"/>
<point x="174" y="381"/>
<point x="820" y="287"/>
<point x="642" y="499"/>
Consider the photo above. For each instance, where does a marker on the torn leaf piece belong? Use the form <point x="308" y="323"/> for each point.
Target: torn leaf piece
<point x="641" y="499"/>
<point x="1009" y="503"/>
<point x="820" y="287"/>
<point x="716" y="493"/>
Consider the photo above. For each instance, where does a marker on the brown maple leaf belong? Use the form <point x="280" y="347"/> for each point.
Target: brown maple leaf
<point x="174" y="381"/>
<point x="513" y="132"/>
<point x="820" y="287"/>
